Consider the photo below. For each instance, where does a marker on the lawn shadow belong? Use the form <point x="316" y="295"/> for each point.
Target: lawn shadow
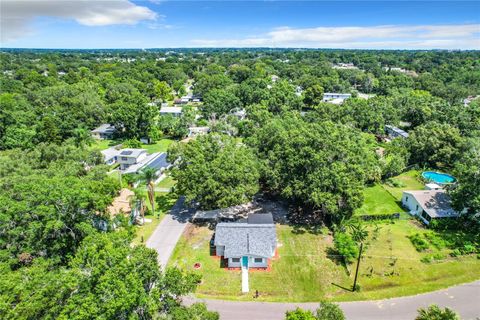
<point x="223" y="263"/>
<point x="341" y="287"/>
<point x="337" y="258"/>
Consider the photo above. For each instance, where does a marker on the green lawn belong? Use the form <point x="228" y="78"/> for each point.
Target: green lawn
<point x="306" y="270"/>
<point x="160" y="146"/>
<point x="103" y="144"/>
<point x="168" y="182"/>
<point x="378" y="201"/>
<point x="146" y="230"/>
<point x="409" y="180"/>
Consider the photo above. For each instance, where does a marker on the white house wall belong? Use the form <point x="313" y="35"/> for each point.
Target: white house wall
<point x="409" y="202"/>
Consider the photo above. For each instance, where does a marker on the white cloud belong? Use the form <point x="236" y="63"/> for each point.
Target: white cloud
<point x="464" y="36"/>
<point x="16" y="15"/>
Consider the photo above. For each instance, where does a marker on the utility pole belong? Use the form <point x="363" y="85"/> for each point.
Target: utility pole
<point x="358" y="264"/>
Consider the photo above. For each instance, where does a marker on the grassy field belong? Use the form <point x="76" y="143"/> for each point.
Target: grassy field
<point x="168" y="182"/>
<point x="378" y="201"/>
<point x="103" y="144"/>
<point x="159" y="146"/>
<point x="308" y="270"/>
<point x="409" y="180"/>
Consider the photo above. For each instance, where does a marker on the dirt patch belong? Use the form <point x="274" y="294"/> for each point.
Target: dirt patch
<point x="328" y="240"/>
<point x="189" y="232"/>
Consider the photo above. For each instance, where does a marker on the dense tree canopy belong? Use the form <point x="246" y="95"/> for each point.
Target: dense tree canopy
<point x="323" y="166"/>
<point x="216" y="171"/>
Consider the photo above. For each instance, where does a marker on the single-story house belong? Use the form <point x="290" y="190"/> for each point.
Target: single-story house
<point x="249" y="243"/>
<point x="174" y="111"/>
<point x="104" y="131"/>
<point x="335" y="98"/>
<point x="394" y="132"/>
<point x="129" y="157"/>
<point x="428" y="204"/>
<point x="157" y="161"/>
<point x="195" y="131"/>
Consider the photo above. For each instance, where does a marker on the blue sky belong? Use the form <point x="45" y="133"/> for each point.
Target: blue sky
<point x="317" y="24"/>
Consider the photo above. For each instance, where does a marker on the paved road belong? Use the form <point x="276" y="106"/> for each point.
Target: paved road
<point x="465" y="299"/>
<point x="167" y="233"/>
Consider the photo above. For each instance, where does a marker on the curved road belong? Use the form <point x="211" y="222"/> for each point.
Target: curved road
<point x="464" y="299"/>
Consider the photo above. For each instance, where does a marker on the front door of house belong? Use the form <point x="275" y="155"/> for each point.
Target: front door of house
<point x="245" y="262"/>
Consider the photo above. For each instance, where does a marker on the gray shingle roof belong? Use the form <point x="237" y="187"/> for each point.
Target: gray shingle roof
<point x="435" y="202"/>
<point x="241" y="239"/>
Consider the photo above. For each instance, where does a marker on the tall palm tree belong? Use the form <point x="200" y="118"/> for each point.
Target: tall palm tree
<point x="139" y="199"/>
<point x="150" y="175"/>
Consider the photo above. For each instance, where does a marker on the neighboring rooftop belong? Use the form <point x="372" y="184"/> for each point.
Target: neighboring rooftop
<point x="435" y="202"/>
<point x="104" y="128"/>
<point x="129" y="152"/>
<point x="396" y="130"/>
<point x="157" y="161"/>
<point x="171" y="110"/>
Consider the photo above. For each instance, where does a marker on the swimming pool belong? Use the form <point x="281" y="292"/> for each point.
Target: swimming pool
<point x="437" y="177"/>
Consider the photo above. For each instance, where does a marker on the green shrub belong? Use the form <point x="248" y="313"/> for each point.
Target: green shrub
<point x="419" y="242"/>
<point x="455" y="253"/>
<point x="434" y="312"/>
<point x="345" y="246"/>
<point x="427" y="259"/>
<point x="131" y="143"/>
<point x="435" y="240"/>
<point x="392" y="182"/>
<point x="330" y="311"/>
<point x="468" y="249"/>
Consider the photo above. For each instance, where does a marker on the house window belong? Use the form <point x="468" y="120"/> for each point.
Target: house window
<point x="417" y="207"/>
<point x="124" y="158"/>
<point x="406" y="199"/>
<point x="258" y="260"/>
<point x="236" y="260"/>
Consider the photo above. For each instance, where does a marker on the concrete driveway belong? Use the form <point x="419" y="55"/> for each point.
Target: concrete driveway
<point x="169" y="231"/>
<point x="464" y="299"/>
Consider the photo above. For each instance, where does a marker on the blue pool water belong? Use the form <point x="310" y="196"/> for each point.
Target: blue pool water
<point x="437" y="177"/>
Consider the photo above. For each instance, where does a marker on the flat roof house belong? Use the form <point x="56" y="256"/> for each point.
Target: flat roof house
<point x="157" y="161"/>
<point x="195" y="131"/>
<point x="394" y="132"/>
<point x="335" y="98"/>
<point x="175" y="111"/>
<point x="428" y="204"/>
<point x="249" y="243"/>
<point x="129" y="157"/>
<point x="104" y="131"/>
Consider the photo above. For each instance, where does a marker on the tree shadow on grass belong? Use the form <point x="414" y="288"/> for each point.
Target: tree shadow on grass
<point x="337" y="258"/>
<point x="341" y="287"/>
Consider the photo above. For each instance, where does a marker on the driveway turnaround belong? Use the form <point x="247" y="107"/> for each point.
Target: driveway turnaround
<point x="464" y="299"/>
<point x="169" y="231"/>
